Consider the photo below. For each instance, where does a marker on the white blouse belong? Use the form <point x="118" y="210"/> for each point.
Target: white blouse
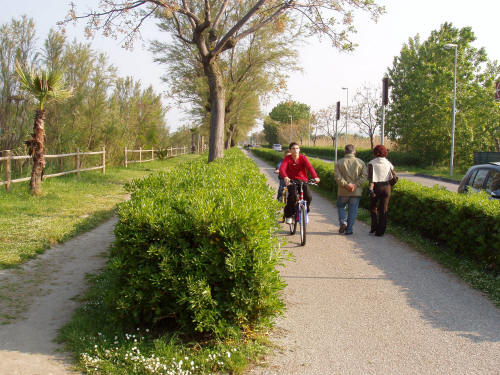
<point x="381" y="169"/>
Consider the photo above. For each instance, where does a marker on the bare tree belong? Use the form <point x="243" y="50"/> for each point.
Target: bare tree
<point x="365" y="110"/>
<point x="216" y="26"/>
<point x="326" y="122"/>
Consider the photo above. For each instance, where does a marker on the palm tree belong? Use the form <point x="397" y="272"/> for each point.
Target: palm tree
<point x="44" y="86"/>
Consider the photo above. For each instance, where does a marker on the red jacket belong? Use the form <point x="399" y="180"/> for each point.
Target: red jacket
<point x="297" y="170"/>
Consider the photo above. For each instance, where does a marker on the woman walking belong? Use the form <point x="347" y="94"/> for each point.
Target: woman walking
<point x="380" y="173"/>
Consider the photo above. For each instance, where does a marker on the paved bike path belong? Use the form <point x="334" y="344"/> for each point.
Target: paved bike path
<point x="372" y="305"/>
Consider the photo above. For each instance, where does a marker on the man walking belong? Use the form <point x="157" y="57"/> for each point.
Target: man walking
<point x="350" y="173"/>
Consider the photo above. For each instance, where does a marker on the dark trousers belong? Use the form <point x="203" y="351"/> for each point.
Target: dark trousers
<point x="379" y="205"/>
<point x="290" y="204"/>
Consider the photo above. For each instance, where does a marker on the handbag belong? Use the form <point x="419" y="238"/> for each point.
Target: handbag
<point x="394" y="179"/>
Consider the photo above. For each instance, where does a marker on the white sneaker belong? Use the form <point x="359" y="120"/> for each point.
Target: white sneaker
<point x="289" y="220"/>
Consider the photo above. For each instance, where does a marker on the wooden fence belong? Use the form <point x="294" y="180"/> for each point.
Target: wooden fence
<point x="8" y="158"/>
<point x="174" y="151"/>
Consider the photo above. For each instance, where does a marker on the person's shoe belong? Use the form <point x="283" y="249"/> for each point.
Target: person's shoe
<point x="289" y="220"/>
<point x="379" y="234"/>
<point x="348" y="233"/>
<point x="342" y="228"/>
<point x="373" y="231"/>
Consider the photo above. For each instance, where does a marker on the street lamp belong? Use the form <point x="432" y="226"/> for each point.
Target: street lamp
<point x="346" y="112"/>
<point x="290" y="128"/>
<point x="450" y="46"/>
<point x="309" y="130"/>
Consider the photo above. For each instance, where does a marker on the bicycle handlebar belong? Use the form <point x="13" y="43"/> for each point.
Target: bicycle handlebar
<point x="310" y="182"/>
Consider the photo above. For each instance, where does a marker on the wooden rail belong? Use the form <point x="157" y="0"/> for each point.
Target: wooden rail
<point x="141" y="152"/>
<point x="8" y="157"/>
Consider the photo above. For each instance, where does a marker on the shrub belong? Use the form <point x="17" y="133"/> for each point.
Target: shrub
<point x="197" y="247"/>
<point x="396" y="157"/>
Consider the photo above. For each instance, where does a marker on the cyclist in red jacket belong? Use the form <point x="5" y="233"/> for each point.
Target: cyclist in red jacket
<point x="295" y="167"/>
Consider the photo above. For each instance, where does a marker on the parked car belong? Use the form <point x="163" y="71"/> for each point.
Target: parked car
<point x="482" y="177"/>
<point x="277" y="147"/>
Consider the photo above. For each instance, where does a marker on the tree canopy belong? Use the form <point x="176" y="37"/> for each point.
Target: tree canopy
<point x="212" y="27"/>
<point x="420" y="112"/>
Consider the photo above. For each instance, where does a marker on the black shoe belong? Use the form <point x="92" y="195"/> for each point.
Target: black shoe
<point x="379" y="234"/>
<point x="348" y="233"/>
<point x="342" y="228"/>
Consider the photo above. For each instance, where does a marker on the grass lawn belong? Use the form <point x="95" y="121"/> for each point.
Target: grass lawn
<point x="69" y="205"/>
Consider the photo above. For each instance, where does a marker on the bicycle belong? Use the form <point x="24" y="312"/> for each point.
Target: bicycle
<point x="301" y="217"/>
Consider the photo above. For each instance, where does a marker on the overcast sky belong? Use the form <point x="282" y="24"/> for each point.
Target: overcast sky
<point x="326" y="70"/>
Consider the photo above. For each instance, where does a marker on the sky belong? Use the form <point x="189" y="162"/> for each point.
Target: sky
<point x="325" y="70"/>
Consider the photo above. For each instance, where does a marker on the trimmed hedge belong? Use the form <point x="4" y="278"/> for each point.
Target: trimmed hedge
<point x="396" y="157"/>
<point x="197" y="247"/>
<point x="469" y="224"/>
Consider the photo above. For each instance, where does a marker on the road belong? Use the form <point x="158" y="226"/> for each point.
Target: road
<point x="373" y="305"/>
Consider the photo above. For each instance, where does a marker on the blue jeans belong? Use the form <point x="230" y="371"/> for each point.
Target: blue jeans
<point x="352" y="204"/>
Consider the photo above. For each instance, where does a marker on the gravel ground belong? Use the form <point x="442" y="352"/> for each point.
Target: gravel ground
<point x="373" y="305"/>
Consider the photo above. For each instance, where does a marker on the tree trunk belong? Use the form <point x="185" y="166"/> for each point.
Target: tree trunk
<point x="217" y="110"/>
<point x="229" y="140"/>
<point x="36" y="148"/>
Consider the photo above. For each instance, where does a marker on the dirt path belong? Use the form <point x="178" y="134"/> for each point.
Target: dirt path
<point x="368" y="305"/>
<point x="40" y="295"/>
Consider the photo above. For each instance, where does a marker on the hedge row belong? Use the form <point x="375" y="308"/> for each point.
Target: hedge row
<point x="197" y="247"/>
<point x="396" y="157"/>
<point x="469" y="224"/>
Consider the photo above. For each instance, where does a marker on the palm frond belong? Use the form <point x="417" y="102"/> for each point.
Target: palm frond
<point x="43" y="85"/>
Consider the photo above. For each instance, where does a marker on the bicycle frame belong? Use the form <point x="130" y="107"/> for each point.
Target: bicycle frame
<point x="301" y="202"/>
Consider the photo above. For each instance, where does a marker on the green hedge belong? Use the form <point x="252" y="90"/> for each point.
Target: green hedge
<point x="467" y="224"/>
<point x="197" y="247"/>
<point x="396" y="157"/>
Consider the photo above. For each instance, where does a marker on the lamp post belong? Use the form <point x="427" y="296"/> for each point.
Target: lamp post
<point x="290" y="128"/>
<point x="346" y="112"/>
<point x="449" y="46"/>
<point x="309" y="130"/>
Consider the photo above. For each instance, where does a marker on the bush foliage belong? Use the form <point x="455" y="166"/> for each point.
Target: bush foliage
<point x="396" y="157"/>
<point x="469" y="224"/>
<point x="197" y="247"/>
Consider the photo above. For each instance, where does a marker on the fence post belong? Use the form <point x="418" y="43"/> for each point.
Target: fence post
<point x="77" y="161"/>
<point x="125" y="157"/>
<point x="170" y="152"/>
<point x="140" y="154"/>
<point x="152" y="153"/>
<point x="7" y="169"/>
<point x="103" y="160"/>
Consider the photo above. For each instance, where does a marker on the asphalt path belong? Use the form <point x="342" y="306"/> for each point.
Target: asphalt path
<point x="373" y="305"/>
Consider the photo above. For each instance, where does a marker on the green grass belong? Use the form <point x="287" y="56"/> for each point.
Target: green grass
<point x="69" y="205"/>
<point x="99" y="346"/>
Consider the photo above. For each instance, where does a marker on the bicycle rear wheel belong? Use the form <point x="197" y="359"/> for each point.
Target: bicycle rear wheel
<point x="293" y="226"/>
<point x="303" y="225"/>
<point x="284" y="195"/>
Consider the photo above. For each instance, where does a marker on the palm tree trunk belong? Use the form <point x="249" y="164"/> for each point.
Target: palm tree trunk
<point x="36" y="148"/>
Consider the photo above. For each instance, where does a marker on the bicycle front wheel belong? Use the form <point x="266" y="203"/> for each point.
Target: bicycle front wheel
<point x="303" y="225"/>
